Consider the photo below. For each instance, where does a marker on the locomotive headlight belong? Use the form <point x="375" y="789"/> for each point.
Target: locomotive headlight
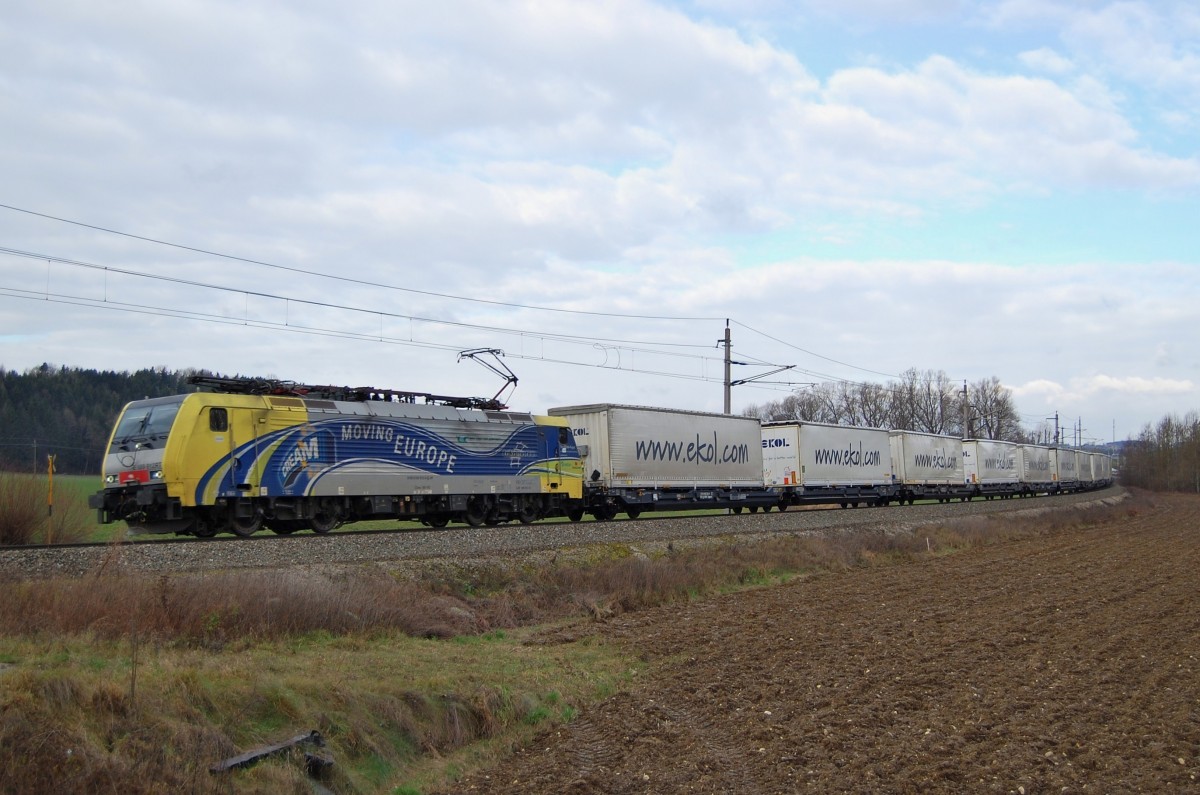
<point x="157" y="474"/>
<point x="110" y="479"/>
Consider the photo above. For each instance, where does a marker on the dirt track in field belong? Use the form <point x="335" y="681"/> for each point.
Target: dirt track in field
<point x="1065" y="663"/>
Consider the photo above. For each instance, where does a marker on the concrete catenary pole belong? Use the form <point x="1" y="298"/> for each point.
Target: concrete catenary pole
<point x="728" y="385"/>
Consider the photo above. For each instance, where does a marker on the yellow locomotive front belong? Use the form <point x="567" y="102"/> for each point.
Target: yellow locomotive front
<point x="136" y="484"/>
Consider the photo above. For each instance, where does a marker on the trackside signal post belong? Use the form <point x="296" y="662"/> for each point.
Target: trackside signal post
<point x="50" y="499"/>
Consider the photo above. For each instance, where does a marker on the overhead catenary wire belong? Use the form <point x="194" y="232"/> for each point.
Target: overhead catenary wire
<point x="338" y="334"/>
<point x="381" y="285"/>
<point x="350" y="279"/>
<point x="588" y="339"/>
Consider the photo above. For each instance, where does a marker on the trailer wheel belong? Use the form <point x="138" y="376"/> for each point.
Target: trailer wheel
<point x="438" y="520"/>
<point x="737" y="509"/>
<point x="575" y="514"/>
<point x="633" y="513"/>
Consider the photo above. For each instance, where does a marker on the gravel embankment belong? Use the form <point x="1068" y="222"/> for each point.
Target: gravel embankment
<point x="514" y="540"/>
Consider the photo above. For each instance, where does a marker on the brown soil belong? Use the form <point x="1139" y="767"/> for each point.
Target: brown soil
<point x="1064" y="663"/>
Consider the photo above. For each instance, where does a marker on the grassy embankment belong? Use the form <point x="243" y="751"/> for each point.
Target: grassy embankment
<point x="130" y="683"/>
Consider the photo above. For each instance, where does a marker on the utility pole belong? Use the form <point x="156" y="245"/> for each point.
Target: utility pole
<point x="966" y="411"/>
<point x="728" y="382"/>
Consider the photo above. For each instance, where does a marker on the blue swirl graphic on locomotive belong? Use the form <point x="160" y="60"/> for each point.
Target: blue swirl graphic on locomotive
<point x="292" y="460"/>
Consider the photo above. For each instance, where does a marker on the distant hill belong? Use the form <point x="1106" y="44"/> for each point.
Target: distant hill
<point x="69" y="413"/>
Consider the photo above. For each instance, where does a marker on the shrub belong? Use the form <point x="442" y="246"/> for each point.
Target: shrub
<point x="25" y="519"/>
<point x="22" y="508"/>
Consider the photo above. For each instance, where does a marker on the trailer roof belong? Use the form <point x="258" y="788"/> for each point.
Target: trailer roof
<point x="592" y="408"/>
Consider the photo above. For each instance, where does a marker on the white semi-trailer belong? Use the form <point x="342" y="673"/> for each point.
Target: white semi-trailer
<point x="1066" y="465"/>
<point x="808" y="462"/>
<point x="1036" y="469"/>
<point x="927" y="466"/>
<point x="990" y="467"/>
<point x="638" y="459"/>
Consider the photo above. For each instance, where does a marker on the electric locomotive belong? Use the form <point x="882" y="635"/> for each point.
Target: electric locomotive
<point x="256" y="453"/>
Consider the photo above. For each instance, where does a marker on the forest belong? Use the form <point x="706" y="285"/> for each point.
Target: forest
<point x="1165" y="456"/>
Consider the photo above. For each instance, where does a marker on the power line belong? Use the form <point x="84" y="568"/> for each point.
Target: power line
<point x="347" y="279"/>
<point x="570" y="338"/>
<point x="812" y="353"/>
<point x="379" y="285"/>
<point x="336" y="333"/>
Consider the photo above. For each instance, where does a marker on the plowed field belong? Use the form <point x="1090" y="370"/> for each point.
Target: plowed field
<point x="1063" y="663"/>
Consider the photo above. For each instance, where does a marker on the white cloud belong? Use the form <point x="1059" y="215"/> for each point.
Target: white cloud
<point x="1148" y="45"/>
<point x="1047" y="60"/>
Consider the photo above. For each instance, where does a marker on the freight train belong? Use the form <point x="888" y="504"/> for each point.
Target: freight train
<point x="250" y="454"/>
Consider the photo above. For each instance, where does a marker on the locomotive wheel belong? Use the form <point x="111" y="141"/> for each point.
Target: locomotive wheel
<point x="323" y="520"/>
<point x="437" y="520"/>
<point x="204" y="529"/>
<point x="529" y="514"/>
<point x="476" y="514"/>
<point x="245" y="526"/>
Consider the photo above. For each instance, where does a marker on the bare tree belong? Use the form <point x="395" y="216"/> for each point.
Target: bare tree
<point x="933" y="405"/>
<point x="922" y="400"/>
<point x="875" y="405"/>
<point x="994" y="412"/>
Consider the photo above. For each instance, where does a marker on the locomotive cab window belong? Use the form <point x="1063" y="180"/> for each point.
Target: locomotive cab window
<point x="218" y="420"/>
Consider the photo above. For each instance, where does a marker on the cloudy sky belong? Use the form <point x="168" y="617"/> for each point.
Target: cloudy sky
<point x="353" y="193"/>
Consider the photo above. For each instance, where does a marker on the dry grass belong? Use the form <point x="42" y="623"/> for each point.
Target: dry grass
<point x="215" y="609"/>
<point x="25" y="516"/>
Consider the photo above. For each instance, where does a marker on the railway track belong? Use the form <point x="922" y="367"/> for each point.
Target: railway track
<point x="367" y="546"/>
